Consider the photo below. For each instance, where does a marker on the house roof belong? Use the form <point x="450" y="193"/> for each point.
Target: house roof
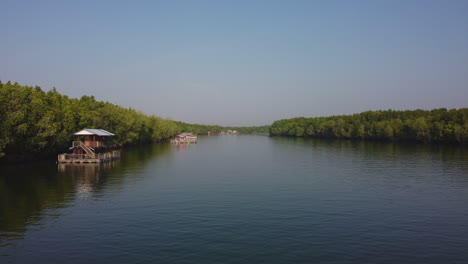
<point x="97" y="132"/>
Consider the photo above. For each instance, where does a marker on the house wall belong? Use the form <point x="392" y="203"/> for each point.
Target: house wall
<point x="93" y="141"/>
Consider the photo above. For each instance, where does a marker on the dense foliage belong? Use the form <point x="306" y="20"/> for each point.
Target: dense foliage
<point x="34" y="121"/>
<point x="438" y="125"/>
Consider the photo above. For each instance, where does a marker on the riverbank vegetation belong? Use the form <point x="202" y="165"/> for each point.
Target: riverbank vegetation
<point x="203" y="129"/>
<point x="37" y="122"/>
<point x="434" y="126"/>
<point x="34" y="121"/>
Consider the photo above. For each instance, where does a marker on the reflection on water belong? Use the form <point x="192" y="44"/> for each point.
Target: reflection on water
<point x="25" y="192"/>
<point x="380" y="150"/>
<point x="242" y="199"/>
<point x="28" y="192"/>
<point x="87" y="178"/>
<point x="184" y="147"/>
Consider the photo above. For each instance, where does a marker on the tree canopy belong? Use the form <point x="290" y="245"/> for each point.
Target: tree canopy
<point x="434" y="126"/>
<point x="34" y="121"/>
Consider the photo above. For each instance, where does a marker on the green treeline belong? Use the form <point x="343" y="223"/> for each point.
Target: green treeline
<point x="34" y="121"/>
<point x="203" y="129"/>
<point x="435" y="126"/>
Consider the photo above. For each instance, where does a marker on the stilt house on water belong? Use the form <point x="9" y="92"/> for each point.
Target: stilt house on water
<point x="92" y="150"/>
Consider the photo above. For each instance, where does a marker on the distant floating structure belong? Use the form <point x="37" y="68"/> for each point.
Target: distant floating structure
<point x="185" y="138"/>
<point x="230" y="132"/>
<point x="92" y="150"/>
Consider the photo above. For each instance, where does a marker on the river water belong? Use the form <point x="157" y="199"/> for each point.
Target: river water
<point x="242" y="199"/>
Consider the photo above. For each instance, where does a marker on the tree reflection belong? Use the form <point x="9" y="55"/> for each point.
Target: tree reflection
<point x="30" y="191"/>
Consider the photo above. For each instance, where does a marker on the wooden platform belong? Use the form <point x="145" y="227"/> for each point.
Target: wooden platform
<point x="191" y="140"/>
<point x="183" y="142"/>
<point x="85" y="158"/>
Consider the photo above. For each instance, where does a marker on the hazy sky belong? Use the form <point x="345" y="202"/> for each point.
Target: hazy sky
<point x="242" y="62"/>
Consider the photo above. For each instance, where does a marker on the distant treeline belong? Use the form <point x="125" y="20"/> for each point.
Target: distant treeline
<point x="33" y="121"/>
<point x="435" y="126"/>
<point x="203" y="129"/>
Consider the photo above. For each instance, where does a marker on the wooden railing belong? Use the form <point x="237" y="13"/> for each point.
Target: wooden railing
<point x="108" y="155"/>
<point x="72" y="156"/>
<point x="90" y="155"/>
<point x="88" y="150"/>
<point x="111" y="155"/>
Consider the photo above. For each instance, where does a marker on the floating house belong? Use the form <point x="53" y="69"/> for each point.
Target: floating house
<point x="93" y="148"/>
<point x="232" y="132"/>
<point x="185" y="138"/>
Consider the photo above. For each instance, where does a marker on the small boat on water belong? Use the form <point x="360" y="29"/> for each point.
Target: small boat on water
<point x="185" y="138"/>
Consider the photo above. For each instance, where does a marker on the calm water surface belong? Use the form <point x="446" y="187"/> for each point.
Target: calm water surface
<point x="242" y="199"/>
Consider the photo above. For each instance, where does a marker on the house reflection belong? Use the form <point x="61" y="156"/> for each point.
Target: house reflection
<point x="34" y="191"/>
<point x="87" y="178"/>
<point x="181" y="147"/>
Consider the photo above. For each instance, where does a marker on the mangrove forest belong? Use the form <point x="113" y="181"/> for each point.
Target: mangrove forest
<point x="34" y="121"/>
<point x="434" y="126"/>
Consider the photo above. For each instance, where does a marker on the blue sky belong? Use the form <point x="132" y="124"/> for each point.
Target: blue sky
<point x="242" y="62"/>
